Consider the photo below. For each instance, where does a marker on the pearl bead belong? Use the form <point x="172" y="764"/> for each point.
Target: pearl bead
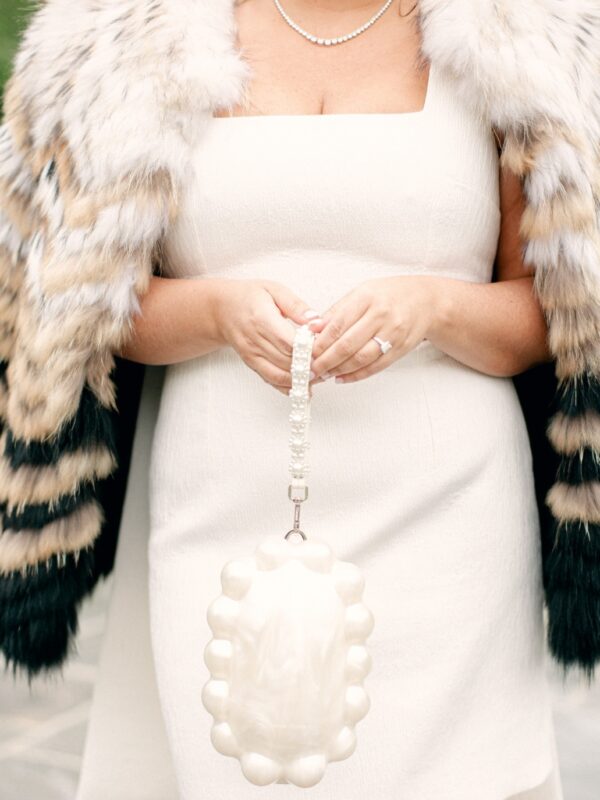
<point x="299" y="395"/>
<point x="330" y="41"/>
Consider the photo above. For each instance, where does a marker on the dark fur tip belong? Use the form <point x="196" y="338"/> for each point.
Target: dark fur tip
<point x="574" y="631"/>
<point x="41" y="646"/>
<point x="572" y="586"/>
<point x="580" y="467"/>
<point x="577" y="395"/>
<point x="38" y="613"/>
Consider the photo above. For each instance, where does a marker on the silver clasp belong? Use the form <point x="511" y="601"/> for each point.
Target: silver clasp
<point x="298" y="495"/>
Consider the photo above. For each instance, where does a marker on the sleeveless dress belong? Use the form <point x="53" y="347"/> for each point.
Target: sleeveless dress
<point x="420" y="474"/>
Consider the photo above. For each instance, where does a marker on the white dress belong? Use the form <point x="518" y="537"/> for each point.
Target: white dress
<point x="421" y="474"/>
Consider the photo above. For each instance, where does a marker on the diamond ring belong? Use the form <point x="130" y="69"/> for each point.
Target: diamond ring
<point x="384" y="345"/>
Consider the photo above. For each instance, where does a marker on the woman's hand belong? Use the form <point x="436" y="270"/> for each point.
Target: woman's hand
<point x="401" y="309"/>
<point x="250" y="317"/>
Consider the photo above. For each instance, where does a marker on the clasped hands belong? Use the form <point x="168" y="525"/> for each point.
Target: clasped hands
<point x="253" y="315"/>
<point x="401" y="309"/>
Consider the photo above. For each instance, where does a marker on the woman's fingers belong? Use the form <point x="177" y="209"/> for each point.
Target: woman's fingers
<point x="280" y="330"/>
<point x="273" y="352"/>
<point x="339" y="318"/>
<point x="275" y="339"/>
<point x="270" y="349"/>
<point x="289" y="304"/>
<point x="258" y="320"/>
<point x="363" y="358"/>
<point x="353" y="347"/>
<point x="280" y="379"/>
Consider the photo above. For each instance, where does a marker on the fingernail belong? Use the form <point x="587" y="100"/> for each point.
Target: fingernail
<point x="325" y="375"/>
<point x="310" y="314"/>
<point x="339" y="379"/>
<point x="317" y="321"/>
<point x="311" y="375"/>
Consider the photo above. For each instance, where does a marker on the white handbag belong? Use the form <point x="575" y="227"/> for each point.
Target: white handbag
<point x="288" y="658"/>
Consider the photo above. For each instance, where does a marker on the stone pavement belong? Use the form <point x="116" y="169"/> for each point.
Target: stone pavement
<point x="42" y="732"/>
<point x="577" y="720"/>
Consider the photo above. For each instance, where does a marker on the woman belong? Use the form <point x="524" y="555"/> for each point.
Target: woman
<point x="385" y="211"/>
<point x="362" y="186"/>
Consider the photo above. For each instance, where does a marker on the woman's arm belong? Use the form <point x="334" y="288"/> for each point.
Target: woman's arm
<point x="177" y="321"/>
<point x="497" y="328"/>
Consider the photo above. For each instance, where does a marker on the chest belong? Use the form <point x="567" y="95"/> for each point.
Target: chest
<point x="378" y="71"/>
<point x="286" y="195"/>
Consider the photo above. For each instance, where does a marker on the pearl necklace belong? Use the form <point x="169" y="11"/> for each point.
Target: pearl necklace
<point x="337" y="39"/>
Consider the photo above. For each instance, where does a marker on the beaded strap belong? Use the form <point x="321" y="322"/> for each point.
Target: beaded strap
<point x="300" y="420"/>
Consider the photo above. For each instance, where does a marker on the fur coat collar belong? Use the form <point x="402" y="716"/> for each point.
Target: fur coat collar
<point x="106" y="100"/>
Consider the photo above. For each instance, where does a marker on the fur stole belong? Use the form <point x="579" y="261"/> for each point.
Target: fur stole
<point x="105" y="101"/>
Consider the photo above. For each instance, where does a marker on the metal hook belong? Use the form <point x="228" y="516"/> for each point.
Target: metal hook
<point x="296" y="530"/>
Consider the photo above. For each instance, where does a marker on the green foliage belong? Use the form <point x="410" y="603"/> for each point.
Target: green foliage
<point x="13" y="18"/>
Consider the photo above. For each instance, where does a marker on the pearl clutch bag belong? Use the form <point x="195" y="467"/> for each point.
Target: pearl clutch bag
<point x="287" y="659"/>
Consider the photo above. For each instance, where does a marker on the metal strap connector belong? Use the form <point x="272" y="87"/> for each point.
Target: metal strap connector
<point x="297" y="493"/>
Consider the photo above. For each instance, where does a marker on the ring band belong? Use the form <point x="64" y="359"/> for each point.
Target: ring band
<point x="384" y="345"/>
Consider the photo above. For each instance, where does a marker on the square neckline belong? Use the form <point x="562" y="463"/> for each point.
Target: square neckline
<point x="422" y="112"/>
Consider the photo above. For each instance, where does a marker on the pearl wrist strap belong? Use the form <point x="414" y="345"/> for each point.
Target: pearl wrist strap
<point x="300" y="421"/>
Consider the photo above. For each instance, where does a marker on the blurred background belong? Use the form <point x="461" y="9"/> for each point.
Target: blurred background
<point x="43" y="727"/>
<point x="13" y="17"/>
